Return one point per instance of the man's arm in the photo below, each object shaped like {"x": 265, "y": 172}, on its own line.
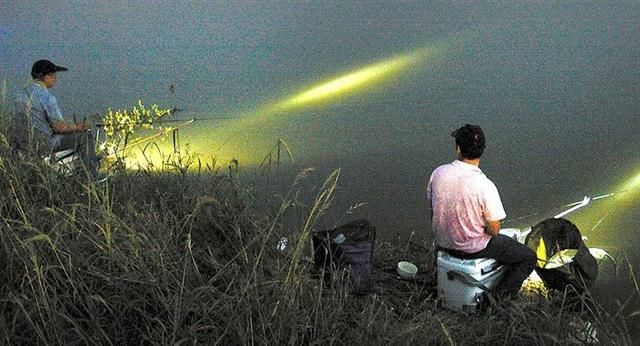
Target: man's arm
{"x": 429, "y": 196}
{"x": 492, "y": 228}
{"x": 493, "y": 210}
{"x": 56, "y": 121}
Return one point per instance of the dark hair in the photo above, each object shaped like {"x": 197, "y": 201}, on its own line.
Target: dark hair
{"x": 470, "y": 139}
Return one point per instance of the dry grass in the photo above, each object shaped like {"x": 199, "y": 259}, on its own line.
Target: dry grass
{"x": 172, "y": 258}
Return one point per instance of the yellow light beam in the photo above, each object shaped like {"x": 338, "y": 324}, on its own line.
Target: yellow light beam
{"x": 355, "y": 80}
{"x": 632, "y": 184}
{"x": 239, "y": 137}
{"x": 622, "y": 201}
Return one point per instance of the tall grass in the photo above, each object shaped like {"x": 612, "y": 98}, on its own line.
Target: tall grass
{"x": 174, "y": 258}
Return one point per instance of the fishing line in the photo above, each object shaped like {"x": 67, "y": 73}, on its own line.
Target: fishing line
{"x": 599, "y": 222}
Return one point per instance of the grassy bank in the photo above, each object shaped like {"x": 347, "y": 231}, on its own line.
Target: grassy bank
{"x": 176, "y": 258}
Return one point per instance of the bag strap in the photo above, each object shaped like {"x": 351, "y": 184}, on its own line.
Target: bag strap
{"x": 466, "y": 278}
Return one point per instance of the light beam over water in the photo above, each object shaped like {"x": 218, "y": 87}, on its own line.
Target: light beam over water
{"x": 247, "y": 137}
{"x": 356, "y": 80}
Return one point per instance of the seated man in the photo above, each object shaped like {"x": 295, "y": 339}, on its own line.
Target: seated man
{"x": 466, "y": 211}
{"x": 38, "y": 109}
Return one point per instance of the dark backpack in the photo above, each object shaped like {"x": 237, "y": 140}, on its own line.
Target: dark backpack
{"x": 558, "y": 235}
{"x": 349, "y": 248}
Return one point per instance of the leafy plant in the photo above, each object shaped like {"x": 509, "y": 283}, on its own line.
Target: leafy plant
{"x": 120, "y": 125}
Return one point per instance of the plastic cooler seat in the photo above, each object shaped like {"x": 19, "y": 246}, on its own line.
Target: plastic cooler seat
{"x": 64, "y": 161}
{"x": 461, "y": 282}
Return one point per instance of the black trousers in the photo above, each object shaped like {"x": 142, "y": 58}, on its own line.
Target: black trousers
{"x": 84, "y": 144}
{"x": 518, "y": 258}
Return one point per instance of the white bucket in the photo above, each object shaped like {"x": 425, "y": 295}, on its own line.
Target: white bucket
{"x": 461, "y": 282}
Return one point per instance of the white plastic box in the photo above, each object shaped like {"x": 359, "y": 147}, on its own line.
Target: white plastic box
{"x": 513, "y": 233}
{"x": 460, "y": 281}
{"x": 65, "y": 161}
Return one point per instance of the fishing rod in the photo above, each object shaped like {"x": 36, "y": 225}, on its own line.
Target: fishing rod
{"x": 162, "y": 121}
{"x": 575, "y": 206}
{"x": 167, "y": 121}
{"x": 160, "y": 133}
{"x": 611, "y": 194}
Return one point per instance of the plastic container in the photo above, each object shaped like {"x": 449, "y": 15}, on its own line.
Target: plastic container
{"x": 406, "y": 270}
{"x": 514, "y": 233}
{"x": 461, "y": 282}
{"x": 65, "y": 161}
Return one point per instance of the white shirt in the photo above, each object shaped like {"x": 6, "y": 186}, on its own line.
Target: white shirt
{"x": 463, "y": 201}
{"x": 39, "y": 108}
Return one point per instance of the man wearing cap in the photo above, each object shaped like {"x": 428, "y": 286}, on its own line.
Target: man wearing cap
{"x": 466, "y": 211}
{"x": 37, "y": 108}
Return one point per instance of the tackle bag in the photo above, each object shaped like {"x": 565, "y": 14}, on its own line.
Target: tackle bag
{"x": 346, "y": 249}
{"x": 563, "y": 258}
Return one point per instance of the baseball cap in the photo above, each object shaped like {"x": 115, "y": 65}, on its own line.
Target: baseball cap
{"x": 44, "y": 67}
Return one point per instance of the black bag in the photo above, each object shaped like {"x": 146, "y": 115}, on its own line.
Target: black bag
{"x": 348, "y": 247}
{"x": 558, "y": 235}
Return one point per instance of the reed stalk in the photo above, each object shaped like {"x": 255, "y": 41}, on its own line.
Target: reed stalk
{"x": 180, "y": 257}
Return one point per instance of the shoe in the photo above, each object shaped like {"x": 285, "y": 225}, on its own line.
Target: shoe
{"x": 485, "y": 302}
{"x": 99, "y": 178}
{"x": 489, "y": 304}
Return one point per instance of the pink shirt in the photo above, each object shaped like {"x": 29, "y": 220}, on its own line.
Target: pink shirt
{"x": 463, "y": 201}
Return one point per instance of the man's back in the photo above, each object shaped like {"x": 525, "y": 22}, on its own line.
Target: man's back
{"x": 36, "y": 108}
{"x": 463, "y": 200}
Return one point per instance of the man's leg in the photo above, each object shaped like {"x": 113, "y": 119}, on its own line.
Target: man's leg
{"x": 519, "y": 259}
{"x": 84, "y": 145}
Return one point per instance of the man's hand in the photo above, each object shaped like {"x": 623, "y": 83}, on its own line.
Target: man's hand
{"x": 492, "y": 228}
